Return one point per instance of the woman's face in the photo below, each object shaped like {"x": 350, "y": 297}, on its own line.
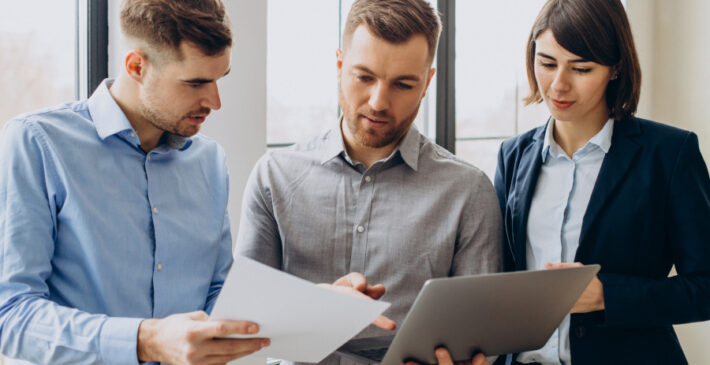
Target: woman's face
{"x": 573, "y": 88}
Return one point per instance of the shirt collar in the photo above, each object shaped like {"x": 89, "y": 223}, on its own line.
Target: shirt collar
{"x": 334, "y": 144}
{"x": 110, "y": 120}
{"x": 107, "y": 116}
{"x": 408, "y": 148}
{"x": 602, "y": 139}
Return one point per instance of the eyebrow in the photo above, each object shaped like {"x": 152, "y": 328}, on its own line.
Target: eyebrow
{"x": 576, "y": 60}
{"x": 413, "y": 78}
{"x": 204, "y": 81}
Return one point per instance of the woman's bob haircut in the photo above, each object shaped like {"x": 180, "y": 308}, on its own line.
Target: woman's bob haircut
{"x": 598, "y": 31}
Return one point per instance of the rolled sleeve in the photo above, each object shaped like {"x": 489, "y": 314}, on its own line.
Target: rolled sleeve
{"x": 118, "y": 340}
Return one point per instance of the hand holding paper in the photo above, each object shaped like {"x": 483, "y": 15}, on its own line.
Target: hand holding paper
{"x": 304, "y": 321}
{"x": 355, "y": 284}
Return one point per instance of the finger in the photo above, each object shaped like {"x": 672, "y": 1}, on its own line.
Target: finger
{"x": 354, "y": 280}
{"x": 375, "y": 291}
{"x": 443, "y": 357}
{"x": 556, "y": 265}
{"x": 480, "y": 359}
{"x": 197, "y": 316}
{"x": 212, "y": 329}
{"x": 560, "y": 265}
{"x": 223, "y": 359}
{"x": 346, "y": 290}
{"x": 233, "y": 346}
{"x": 385, "y": 323}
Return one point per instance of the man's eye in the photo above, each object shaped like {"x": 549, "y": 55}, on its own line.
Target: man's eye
{"x": 404, "y": 86}
{"x": 364, "y": 78}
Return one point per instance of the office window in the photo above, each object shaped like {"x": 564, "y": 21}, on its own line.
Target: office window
{"x": 37, "y": 55}
{"x": 301, "y": 86}
{"x": 491, "y": 78}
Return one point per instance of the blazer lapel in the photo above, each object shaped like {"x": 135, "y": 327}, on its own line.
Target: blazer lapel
{"x": 616, "y": 163}
{"x": 526, "y": 179}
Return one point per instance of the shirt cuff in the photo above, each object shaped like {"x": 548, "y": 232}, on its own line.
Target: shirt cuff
{"x": 118, "y": 340}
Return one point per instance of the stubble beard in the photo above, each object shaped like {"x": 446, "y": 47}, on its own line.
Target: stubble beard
{"x": 181, "y": 127}
{"x": 369, "y": 137}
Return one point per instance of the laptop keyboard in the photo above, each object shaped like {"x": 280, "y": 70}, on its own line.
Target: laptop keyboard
{"x": 373, "y": 354}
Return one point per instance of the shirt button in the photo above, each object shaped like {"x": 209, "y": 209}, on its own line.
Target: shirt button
{"x": 155, "y": 210}
{"x": 133, "y": 134}
{"x": 552, "y": 344}
{"x": 159, "y": 266}
{"x": 368, "y": 178}
{"x": 148, "y": 157}
{"x": 360, "y": 229}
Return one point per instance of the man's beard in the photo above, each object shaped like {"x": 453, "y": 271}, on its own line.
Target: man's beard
{"x": 369, "y": 137}
{"x": 161, "y": 122}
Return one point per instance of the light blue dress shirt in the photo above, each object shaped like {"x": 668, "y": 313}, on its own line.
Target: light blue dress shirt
{"x": 561, "y": 197}
{"x": 95, "y": 234}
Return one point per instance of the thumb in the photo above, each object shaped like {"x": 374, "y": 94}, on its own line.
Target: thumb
{"x": 354, "y": 280}
{"x": 198, "y": 316}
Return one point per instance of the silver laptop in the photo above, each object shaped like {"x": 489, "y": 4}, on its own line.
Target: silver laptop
{"x": 494, "y": 313}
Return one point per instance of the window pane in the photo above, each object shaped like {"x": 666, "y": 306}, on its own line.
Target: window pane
{"x": 37, "y": 55}
{"x": 490, "y": 65}
{"x": 301, "y": 82}
{"x": 481, "y": 153}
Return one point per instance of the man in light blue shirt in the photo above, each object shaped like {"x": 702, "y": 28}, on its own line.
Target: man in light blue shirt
{"x": 113, "y": 211}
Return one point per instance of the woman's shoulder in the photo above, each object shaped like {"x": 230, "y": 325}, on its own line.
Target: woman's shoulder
{"x": 654, "y": 129}
{"x": 523, "y": 140}
{"x": 655, "y": 133}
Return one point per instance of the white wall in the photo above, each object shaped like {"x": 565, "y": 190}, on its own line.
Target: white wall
{"x": 671, "y": 37}
{"x": 240, "y": 126}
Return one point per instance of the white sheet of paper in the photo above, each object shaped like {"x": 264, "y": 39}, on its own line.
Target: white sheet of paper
{"x": 304, "y": 321}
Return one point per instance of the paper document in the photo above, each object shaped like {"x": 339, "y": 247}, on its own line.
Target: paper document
{"x": 304, "y": 321}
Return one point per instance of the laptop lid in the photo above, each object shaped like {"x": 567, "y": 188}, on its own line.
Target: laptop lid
{"x": 495, "y": 314}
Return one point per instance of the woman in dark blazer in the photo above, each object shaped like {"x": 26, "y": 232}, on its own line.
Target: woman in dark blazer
{"x": 596, "y": 185}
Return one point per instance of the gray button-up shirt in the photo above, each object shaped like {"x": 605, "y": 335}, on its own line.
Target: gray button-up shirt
{"x": 420, "y": 213}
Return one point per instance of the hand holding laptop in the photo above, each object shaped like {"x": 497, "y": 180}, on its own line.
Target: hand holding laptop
{"x": 592, "y": 299}
{"x": 444, "y": 358}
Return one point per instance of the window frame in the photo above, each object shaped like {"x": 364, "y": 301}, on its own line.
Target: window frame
{"x": 97, "y": 43}
{"x": 445, "y": 121}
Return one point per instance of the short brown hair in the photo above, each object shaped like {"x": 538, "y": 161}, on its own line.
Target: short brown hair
{"x": 596, "y": 30}
{"x": 395, "y": 21}
{"x": 165, "y": 24}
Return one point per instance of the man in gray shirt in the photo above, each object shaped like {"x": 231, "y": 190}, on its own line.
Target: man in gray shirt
{"x": 373, "y": 195}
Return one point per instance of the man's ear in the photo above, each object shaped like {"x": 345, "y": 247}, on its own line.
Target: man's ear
{"x": 432, "y": 71}
{"x": 136, "y": 64}
{"x": 339, "y": 62}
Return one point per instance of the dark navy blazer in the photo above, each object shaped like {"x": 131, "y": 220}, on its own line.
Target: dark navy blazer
{"x": 649, "y": 210}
